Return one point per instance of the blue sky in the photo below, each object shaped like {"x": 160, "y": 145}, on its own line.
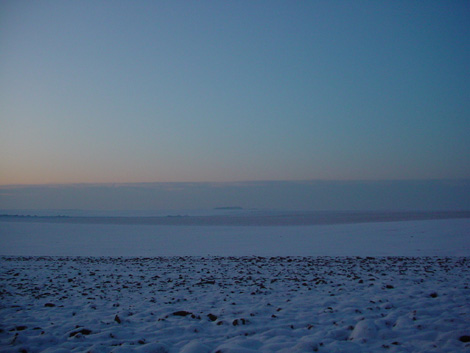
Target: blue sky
{"x": 225, "y": 91}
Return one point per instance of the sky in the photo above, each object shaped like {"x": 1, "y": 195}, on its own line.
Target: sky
{"x": 233, "y": 91}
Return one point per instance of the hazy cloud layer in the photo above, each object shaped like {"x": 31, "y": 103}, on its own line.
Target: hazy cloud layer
{"x": 305, "y": 195}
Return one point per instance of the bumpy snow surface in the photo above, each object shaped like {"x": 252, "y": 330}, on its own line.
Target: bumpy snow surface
{"x": 235, "y": 304}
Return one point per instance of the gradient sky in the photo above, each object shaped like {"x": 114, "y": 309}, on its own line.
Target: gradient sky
{"x": 173, "y": 91}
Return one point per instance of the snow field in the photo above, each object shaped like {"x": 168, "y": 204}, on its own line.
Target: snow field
{"x": 234, "y": 304}
{"x": 449, "y": 237}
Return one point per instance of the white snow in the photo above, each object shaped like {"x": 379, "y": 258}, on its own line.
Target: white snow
{"x": 238, "y": 304}
{"x": 411, "y": 238}
{"x": 369, "y": 287}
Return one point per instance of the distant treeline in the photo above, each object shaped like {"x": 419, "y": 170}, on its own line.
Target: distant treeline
{"x": 29, "y": 216}
{"x": 268, "y": 219}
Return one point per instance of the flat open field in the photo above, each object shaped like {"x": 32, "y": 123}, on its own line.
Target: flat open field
{"x": 442, "y": 237}
{"x": 374, "y": 286}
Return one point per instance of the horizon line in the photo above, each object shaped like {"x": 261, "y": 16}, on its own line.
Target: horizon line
{"x": 52, "y": 184}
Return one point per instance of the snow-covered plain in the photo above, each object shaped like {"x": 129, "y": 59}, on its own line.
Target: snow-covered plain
{"x": 368, "y": 287}
{"x": 410, "y": 238}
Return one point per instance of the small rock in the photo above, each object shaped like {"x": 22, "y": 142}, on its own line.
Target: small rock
{"x": 49, "y": 305}
{"x": 212, "y": 317}
{"x": 433, "y": 295}
{"x": 464, "y": 339}
{"x": 236, "y": 322}
{"x": 181, "y": 313}
{"x": 117, "y": 319}
{"x": 83, "y": 331}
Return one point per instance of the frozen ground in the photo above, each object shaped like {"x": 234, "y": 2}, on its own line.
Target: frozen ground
{"x": 364, "y": 287}
{"x": 410, "y": 238}
{"x": 242, "y": 304}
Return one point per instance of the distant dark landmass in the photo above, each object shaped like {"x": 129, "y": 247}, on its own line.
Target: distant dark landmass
{"x": 14, "y": 216}
{"x": 229, "y": 208}
{"x": 260, "y": 219}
